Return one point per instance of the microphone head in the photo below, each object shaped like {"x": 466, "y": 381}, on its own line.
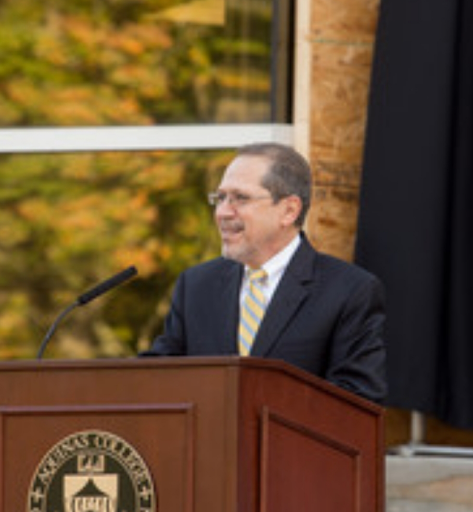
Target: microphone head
{"x": 110, "y": 283}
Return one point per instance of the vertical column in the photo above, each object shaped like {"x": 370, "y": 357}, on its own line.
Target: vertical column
{"x": 342, "y": 35}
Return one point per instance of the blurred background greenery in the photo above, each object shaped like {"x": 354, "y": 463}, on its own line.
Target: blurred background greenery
{"x": 70, "y": 221}
{"x": 121, "y": 62}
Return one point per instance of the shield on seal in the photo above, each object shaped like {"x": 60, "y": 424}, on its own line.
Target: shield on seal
{"x": 91, "y": 493}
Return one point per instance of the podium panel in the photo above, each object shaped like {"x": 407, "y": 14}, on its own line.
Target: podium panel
{"x": 185, "y": 435}
{"x": 299, "y": 463}
{"x": 164, "y": 436}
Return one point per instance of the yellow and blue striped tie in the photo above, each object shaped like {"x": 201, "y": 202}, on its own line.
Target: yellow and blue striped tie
{"x": 252, "y": 311}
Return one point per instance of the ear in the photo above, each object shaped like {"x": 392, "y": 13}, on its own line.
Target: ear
{"x": 292, "y": 206}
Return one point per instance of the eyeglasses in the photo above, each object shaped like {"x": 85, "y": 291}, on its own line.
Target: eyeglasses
{"x": 236, "y": 200}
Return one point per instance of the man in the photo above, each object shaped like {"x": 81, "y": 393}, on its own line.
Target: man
{"x": 318, "y": 313}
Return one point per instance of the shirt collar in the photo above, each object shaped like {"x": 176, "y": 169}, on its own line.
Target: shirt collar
{"x": 279, "y": 261}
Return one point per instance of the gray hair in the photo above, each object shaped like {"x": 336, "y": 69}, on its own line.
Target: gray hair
{"x": 289, "y": 173}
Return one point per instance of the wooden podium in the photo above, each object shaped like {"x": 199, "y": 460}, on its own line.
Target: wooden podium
{"x": 216, "y": 434}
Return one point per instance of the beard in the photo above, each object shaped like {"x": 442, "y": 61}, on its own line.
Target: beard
{"x": 234, "y": 246}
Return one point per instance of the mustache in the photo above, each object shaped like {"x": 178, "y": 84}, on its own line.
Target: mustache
{"x": 231, "y": 225}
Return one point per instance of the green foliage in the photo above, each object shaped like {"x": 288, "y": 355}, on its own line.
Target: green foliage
{"x": 70, "y": 221}
{"x": 111, "y": 62}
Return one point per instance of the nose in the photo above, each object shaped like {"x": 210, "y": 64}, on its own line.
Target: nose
{"x": 224, "y": 209}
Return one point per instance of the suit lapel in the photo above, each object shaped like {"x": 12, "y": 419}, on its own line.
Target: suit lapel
{"x": 289, "y": 295}
{"x": 228, "y": 304}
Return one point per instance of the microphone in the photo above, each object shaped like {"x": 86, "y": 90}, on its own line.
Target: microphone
{"x": 85, "y": 298}
{"x": 103, "y": 287}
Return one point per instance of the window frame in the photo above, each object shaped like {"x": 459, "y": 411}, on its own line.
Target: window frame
{"x": 141, "y": 138}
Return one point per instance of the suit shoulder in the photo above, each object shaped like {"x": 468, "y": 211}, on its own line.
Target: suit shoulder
{"x": 215, "y": 266}
{"x": 345, "y": 270}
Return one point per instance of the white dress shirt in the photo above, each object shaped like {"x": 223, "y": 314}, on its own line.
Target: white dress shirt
{"x": 274, "y": 269}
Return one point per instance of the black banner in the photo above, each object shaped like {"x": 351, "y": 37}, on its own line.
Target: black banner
{"x": 416, "y": 206}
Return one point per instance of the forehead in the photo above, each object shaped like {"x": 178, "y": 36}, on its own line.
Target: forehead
{"x": 245, "y": 171}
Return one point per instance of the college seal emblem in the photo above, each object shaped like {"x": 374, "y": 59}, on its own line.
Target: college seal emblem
{"x": 92, "y": 471}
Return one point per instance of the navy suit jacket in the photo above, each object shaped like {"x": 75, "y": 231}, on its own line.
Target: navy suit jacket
{"x": 326, "y": 317}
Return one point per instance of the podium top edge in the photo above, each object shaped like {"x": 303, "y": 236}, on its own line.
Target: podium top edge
{"x": 176, "y": 362}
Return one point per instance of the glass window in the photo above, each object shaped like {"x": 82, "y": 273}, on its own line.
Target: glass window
{"x": 69, "y": 221}
{"x": 144, "y": 62}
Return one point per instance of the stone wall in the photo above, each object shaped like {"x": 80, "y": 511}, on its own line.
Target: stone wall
{"x": 342, "y": 39}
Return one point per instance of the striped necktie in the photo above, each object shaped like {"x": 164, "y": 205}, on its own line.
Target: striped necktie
{"x": 252, "y": 311}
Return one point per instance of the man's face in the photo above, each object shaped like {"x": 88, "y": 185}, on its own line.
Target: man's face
{"x": 253, "y": 228}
